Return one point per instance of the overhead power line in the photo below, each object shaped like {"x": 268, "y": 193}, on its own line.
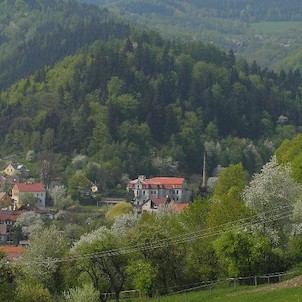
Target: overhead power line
{"x": 240, "y": 224}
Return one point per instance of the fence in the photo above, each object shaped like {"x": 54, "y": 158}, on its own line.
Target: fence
{"x": 209, "y": 285}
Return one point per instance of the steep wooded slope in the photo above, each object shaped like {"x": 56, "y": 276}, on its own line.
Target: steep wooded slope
{"x": 143, "y": 104}
{"x": 35, "y": 33}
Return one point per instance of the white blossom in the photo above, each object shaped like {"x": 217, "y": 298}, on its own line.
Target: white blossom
{"x": 271, "y": 195}
{"x": 29, "y": 222}
{"x": 124, "y": 223}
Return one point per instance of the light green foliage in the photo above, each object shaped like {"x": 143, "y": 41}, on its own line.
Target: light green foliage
{"x": 30, "y": 291}
{"x": 167, "y": 260}
{"x": 244, "y": 254}
{"x": 77, "y": 184}
{"x": 290, "y": 152}
{"x": 227, "y": 204}
{"x": 30, "y": 155}
{"x": 143, "y": 275}
{"x": 106, "y": 272}
{"x": 28, "y": 199}
{"x": 118, "y": 210}
{"x": 85, "y": 293}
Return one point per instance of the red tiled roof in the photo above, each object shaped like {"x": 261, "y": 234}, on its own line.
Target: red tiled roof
{"x": 161, "y": 201}
{"x": 177, "y": 181}
{"x": 30, "y": 187}
{"x": 179, "y": 207}
{"x": 12, "y": 251}
{"x": 155, "y": 182}
{"x": 9, "y": 215}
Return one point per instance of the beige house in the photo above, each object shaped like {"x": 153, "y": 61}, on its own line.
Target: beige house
{"x": 16, "y": 169}
{"x": 5, "y": 201}
{"x": 36, "y": 189}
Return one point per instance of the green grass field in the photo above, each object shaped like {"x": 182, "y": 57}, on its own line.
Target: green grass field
{"x": 274, "y": 27}
{"x": 237, "y": 294}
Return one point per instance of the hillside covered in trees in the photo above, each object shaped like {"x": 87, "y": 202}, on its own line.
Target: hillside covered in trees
{"x": 99, "y": 103}
{"x": 36, "y": 33}
{"x": 268, "y": 30}
{"x": 145, "y": 105}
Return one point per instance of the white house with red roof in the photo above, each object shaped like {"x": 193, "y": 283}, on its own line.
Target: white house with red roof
{"x": 36, "y": 189}
{"x": 175, "y": 188}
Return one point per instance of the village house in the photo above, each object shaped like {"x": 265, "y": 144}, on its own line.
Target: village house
{"x": 6, "y": 201}
{"x": 16, "y": 170}
{"x": 8, "y": 181}
{"x": 7, "y": 221}
{"x": 175, "y": 188}
{"x": 152, "y": 205}
{"x": 36, "y": 189}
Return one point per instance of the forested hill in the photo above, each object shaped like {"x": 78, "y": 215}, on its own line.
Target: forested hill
{"x": 264, "y": 30}
{"x": 144, "y": 105}
{"x": 271, "y": 10}
{"x": 34, "y": 33}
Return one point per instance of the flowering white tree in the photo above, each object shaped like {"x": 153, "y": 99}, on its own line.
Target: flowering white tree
{"x": 124, "y": 224}
{"x": 57, "y": 193}
{"x": 29, "y": 222}
{"x": 271, "y": 195}
{"x": 37, "y": 261}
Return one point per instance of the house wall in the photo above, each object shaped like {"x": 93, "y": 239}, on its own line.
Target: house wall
{"x": 16, "y": 196}
{"x": 40, "y": 195}
{"x": 10, "y": 170}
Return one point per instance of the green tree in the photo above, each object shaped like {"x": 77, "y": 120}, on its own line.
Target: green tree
{"x": 244, "y": 254}
{"x": 107, "y": 271}
{"x": 143, "y": 276}
{"x": 290, "y": 153}
{"x": 228, "y": 205}
{"x": 32, "y": 291}
{"x": 77, "y": 184}
{"x": 28, "y": 199}
{"x": 118, "y": 210}
{"x": 84, "y": 293}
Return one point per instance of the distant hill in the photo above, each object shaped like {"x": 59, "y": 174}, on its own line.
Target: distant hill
{"x": 264, "y": 30}
{"x": 36, "y": 33}
{"x": 146, "y": 104}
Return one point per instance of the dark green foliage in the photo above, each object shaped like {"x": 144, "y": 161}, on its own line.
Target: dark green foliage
{"x": 38, "y": 33}
{"x": 124, "y": 102}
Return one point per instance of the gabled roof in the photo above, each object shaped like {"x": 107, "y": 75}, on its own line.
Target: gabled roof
{"x": 160, "y": 182}
{"x": 177, "y": 181}
{"x": 30, "y": 187}
{"x": 7, "y": 179}
{"x": 9, "y": 215}
{"x": 179, "y": 207}
{"x": 161, "y": 201}
{"x": 17, "y": 166}
{"x": 12, "y": 252}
